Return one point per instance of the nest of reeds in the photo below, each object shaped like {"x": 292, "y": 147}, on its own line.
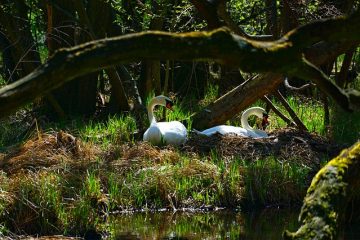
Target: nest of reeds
{"x": 284, "y": 144}
{"x": 52, "y": 150}
{"x": 47, "y": 150}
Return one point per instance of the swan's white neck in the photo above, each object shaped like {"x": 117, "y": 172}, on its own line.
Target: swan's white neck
{"x": 258, "y": 111}
{"x": 150, "y": 109}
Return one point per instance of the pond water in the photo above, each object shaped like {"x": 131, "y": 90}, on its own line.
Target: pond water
{"x": 266, "y": 224}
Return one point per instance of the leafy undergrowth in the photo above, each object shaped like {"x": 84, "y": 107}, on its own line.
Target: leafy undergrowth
{"x": 57, "y": 184}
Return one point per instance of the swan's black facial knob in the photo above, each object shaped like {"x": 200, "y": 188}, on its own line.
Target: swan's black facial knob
{"x": 265, "y": 121}
{"x": 169, "y": 104}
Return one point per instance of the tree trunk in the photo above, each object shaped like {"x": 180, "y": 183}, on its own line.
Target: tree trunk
{"x": 235, "y": 100}
{"x": 341, "y": 78}
{"x": 16, "y": 26}
{"x": 151, "y": 69}
{"x": 100, "y": 28}
{"x": 291, "y": 112}
{"x": 322, "y": 213}
{"x": 8, "y": 68}
{"x": 272, "y": 18}
{"x": 290, "y": 14}
{"x": 77, "y": 97}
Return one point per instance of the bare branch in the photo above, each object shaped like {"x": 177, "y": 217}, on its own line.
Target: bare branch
{"x": 277, "y": 111}
{"x": 303, "y": 87}
{"x": 293, "y": 115}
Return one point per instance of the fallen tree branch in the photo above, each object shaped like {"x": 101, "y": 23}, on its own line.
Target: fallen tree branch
{"x": 292, "y": 88}
{"x": 329, "y": 193}
{"x": 277, "y": 111}
{"x": 291, "y": 112}
{"x": 282, "y": 57}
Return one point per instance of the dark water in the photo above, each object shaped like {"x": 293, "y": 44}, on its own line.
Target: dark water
{"x": 266, "y": 224}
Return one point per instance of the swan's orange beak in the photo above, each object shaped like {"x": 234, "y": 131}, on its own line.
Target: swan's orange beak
{"x": 265, "y": 121}
{"x": 169, "y": 105}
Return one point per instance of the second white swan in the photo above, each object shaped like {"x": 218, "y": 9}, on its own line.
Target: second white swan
{"x": 172, "y": 133}
{"x": 246, "y": 130}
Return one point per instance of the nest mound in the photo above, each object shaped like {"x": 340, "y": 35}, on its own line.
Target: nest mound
{"x": 47, "y": 150}
{"x": 53, "y": 150}
{"x": 285, "y": 144}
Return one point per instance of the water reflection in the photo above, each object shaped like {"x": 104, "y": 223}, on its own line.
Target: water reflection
{"x": 265, "y": 224}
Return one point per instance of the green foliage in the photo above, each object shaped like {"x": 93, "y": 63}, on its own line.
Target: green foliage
{"x": 250, "y": 14}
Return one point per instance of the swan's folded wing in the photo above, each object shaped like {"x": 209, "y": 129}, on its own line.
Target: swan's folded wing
{"x": 225, "y": 129}
{"x": 153, "y": 135}
{"x": 173, "y": 133}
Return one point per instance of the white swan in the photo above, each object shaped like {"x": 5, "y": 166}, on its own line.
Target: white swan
{"x": 173, "y": 133}
{"x": 246, "y": 130}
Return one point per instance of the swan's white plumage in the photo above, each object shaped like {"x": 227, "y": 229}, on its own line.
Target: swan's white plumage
{"x": 226, "y": 129}
{"x": 246, "y": 130}
{"x": 172, "y": 133}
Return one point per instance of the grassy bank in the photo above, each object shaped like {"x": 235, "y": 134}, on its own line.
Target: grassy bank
{"x": 54, "y": 184}
{"x": 58, "y": 182}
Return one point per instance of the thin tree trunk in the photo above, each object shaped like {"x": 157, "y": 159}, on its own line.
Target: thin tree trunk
{"x": 272, "y": 18}
{"x": 342, "y": 77}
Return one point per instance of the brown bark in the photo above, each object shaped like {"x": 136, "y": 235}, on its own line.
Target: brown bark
{"x": 8, "y": 69}
{"x": 208, "y": 11}
{"x": 77, "y": 97}
{"x": 290, "y": 14}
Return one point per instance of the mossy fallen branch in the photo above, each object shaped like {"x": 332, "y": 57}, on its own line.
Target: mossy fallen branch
{"x": 284, "y": 56}
{"x": 327, "y": 197}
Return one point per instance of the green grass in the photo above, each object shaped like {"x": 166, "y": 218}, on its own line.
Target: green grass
{"x": 273, "y": 181}
{"x": 116, "y": 130}
{"x": 310, "y": 112}
{"x": 345, "y": 126}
